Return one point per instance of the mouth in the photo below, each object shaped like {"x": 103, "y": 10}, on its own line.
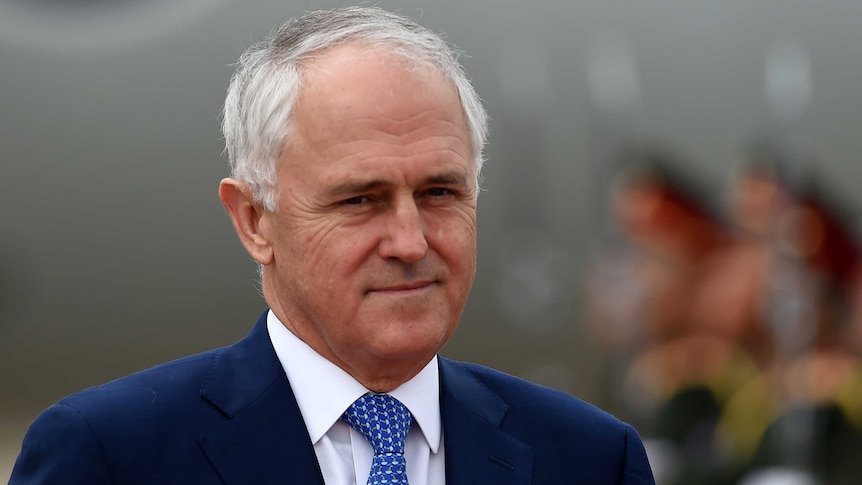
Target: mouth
{"x": 404, "y": 288}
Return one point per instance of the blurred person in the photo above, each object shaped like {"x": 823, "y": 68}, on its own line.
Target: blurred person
{"x": 663, "y": 233}
{"x": 728, "y": 343}
{"x": 761, "y": 311}
{"x": 733, "y": 294}
{"x": 780, "y": 227}
{"x": 756, "y": 294}
{"x": 805, "y": 409}
{"x": 678, "y": 373}
{"x": 731, "y": 303}
{"x": 355, "y": 141}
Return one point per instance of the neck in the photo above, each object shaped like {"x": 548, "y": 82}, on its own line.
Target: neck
{"x": 375, "y": 374}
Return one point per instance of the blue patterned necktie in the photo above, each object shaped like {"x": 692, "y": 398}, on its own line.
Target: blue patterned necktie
{"x": 384, "y": 422}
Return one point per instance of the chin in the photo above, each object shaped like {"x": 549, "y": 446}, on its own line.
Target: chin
{"x": 411, "y": 346}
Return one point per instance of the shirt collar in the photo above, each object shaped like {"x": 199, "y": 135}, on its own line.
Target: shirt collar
{"x": 324, "y": 391}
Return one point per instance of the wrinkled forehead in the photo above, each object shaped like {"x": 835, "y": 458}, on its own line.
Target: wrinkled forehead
{"x": 355, "y": 83}
{"x": 334, "y": 77}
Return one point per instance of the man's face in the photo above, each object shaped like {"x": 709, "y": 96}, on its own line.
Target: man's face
{"x": 374, "y": 239}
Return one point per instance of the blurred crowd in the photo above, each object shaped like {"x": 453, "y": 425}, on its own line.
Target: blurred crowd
{"x": 734, "y": 318}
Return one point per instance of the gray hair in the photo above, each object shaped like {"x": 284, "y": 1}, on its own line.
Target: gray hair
{"x": 268, "y": 78}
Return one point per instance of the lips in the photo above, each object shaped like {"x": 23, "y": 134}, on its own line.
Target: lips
{"x": 403, "y": 287}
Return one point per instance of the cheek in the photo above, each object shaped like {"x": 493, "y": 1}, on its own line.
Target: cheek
{"x": 334, "y": 246}
{"x": 343, "y": 264}
{"x": 455, "y": 242}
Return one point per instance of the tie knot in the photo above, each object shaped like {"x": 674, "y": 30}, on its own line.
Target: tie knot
{"x": 383, "y": 420}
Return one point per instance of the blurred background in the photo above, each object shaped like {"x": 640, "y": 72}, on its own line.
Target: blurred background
{"x": 669, "y": 226}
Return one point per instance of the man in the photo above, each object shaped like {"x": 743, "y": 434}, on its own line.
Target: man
{"x": 355, "y": 142}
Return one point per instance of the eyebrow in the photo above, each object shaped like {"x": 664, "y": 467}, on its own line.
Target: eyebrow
{"x": 359, "y": 186}
{"x": 447, "y": 178}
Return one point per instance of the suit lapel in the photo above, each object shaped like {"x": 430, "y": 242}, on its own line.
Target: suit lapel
{"x": 264, "y": 439}
{"x": 477, "y": 450}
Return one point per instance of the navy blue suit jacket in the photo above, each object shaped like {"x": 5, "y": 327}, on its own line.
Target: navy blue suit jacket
{"x": 229, "y": 416}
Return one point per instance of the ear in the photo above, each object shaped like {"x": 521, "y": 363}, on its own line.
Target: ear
{"x": 246, "y": 216}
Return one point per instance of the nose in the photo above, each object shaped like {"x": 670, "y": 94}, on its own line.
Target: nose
{"x": 405, "y": 234}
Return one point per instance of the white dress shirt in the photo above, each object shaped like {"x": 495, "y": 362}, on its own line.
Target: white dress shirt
{"x": 324, "y": 391}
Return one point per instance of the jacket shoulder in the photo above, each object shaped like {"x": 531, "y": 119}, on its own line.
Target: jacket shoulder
{"x": 523, "y": 396}
{"x": 177, "y": 379}
{"x": 572, "y": 441}
{"x": 122, "y": 425}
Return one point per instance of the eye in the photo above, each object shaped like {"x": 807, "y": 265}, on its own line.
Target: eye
{"x": 359, "y": 199}
{"x": 438, "y": 192}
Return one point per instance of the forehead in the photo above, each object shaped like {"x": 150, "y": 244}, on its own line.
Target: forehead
{"x": 358, "y": 83}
